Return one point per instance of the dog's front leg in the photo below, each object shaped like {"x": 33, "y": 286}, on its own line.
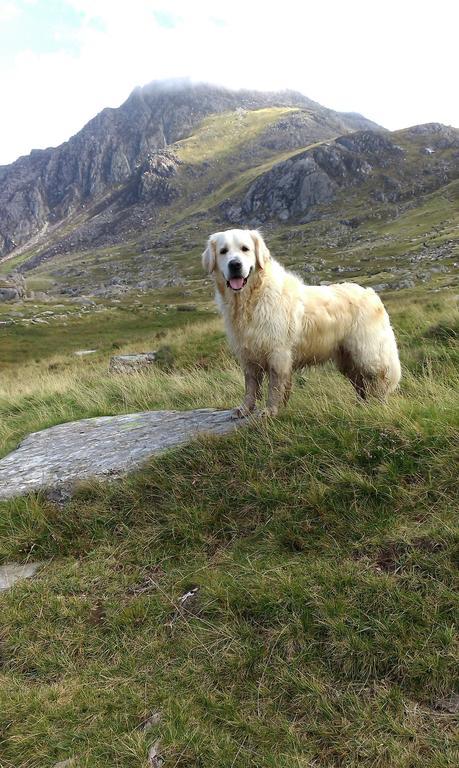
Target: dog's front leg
{"x": 253, "y": 375}
{"x": 280, "y": 375}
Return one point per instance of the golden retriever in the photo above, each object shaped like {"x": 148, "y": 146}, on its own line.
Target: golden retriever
{"x": 276, "y": 324}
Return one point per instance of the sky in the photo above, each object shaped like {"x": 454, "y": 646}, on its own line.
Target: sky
{"x": 62, "y": 61}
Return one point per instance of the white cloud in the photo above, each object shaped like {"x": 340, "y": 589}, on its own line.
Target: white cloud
{"x": 395, "y": 62}
{"x": 8, "y": 11}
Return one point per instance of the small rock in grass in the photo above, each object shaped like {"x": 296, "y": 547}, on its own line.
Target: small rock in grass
{"x": 154, "y": 758}
{"x": 186, "y": 604}
{"x": 448, "y": 704}
{"x": 10, "y": 573}
{"x": 150, "y": 722}
{"x": 188, "y": 595}
{"x": 131, "y": 363}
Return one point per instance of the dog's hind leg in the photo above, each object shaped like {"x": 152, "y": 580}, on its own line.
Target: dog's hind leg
{"x": 370, "y": 375}
{"x": 360, "y": 383}
{"x": 345, "y": 364}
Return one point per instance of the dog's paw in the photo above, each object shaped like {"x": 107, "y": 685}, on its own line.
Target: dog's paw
{"x": 241, "y": 412}
{"x": 267, "y": 413}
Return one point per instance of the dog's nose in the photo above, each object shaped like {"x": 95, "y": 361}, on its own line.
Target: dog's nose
{"x": 235, "y": 266}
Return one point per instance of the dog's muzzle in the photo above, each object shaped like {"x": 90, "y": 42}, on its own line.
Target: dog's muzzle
{"x": 236, "y": 280}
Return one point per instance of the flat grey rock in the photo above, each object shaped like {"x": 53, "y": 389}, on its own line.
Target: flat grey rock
{"x": 107, "y": 446}
{"x": 131, "y": 363}
{"x": 449, "y": 704}
{"x": 10, "y": 573}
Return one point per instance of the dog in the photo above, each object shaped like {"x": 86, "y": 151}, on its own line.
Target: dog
{"x": 277, "y": 324}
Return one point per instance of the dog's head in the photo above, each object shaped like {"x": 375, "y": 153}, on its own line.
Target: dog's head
{"x": 236, "y": 255}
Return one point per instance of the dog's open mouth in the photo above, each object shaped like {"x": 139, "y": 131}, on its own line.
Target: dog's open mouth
{"x": 237, "y": 283}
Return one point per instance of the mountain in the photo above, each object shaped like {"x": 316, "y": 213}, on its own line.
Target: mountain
{"x": 115, "y": 147}
{"x": 128, "y": 200}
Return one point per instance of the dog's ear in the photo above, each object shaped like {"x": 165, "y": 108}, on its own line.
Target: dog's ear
{"x": 261, "y": 251}
{"x": 209, "y": 256}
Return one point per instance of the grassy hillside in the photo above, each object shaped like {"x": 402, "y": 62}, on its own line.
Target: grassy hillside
{"x": 319, "y": 550}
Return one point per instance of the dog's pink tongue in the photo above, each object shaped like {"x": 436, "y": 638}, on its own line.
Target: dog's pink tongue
{"x": 236, "y": 283}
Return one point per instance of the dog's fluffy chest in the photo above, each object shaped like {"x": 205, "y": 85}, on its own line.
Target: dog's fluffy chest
{"x": 256, "y": 324}
{"x": 282, "y": 314}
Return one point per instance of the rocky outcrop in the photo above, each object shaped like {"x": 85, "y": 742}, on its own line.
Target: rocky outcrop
{"x": 436, "y": 135}
{"x": 290, "y": 189}
{"x": 399, "y": 166}
{"x": 153, "y": 181}
{"x": 303, "y": 127}
{"x": 12, "y": 287}
{"x": 57, "y": 458}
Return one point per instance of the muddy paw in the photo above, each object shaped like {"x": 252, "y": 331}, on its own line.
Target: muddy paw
{"x": 241, "y": 412}
{"x": 267, "y": 413}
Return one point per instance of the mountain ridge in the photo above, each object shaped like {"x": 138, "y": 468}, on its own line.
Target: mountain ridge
{"x": 50, "y": 184}
{"x": 138, "y": 210}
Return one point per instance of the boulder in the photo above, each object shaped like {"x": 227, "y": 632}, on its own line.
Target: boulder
{"x": 131, "y": 363}
{"x": 12, "y": 287}
{"x": 55, "y": 459}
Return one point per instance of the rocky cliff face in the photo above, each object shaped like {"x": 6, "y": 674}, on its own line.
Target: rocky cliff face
{"x": 291, "y": 189}
{"x": 120, "y": 147}
{"x": 312, "y": 177}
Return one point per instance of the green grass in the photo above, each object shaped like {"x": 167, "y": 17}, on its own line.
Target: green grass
{"x": 322, "y": 544}
{"x": 220, "y": 136}
{"x": 105, "y": 331}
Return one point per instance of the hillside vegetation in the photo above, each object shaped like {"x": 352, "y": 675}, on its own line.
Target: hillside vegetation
{"x": 318, "y": 552}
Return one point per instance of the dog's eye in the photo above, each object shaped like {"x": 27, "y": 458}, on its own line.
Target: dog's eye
{"x": 244, "y": 248}
{"x": 223, "y": 251}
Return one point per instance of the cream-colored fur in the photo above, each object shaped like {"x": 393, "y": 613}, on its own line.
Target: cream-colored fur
{"x": 276, "y": 324}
